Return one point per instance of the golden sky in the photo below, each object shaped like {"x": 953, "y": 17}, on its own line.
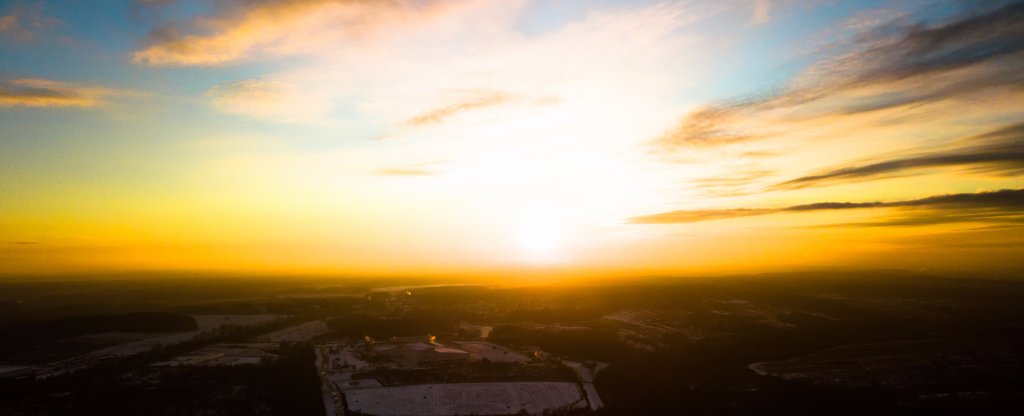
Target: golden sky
{"x": 510, "y": 138}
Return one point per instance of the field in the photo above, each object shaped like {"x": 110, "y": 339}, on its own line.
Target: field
{"x": 878, "y": 343}
{"x": 492, "y": 352}
{"x": 225, "y": 355}
{"x": 900, "y": 365}
{"x": 298, "y": 333}
{"x": 465, "y": 398}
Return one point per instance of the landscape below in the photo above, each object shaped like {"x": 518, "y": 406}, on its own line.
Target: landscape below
{"x": 800, "y": 343}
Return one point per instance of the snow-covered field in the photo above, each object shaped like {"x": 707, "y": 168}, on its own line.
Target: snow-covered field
{"x": 223, "y": 355}
{"x": 491, "y": 352}
{"x": 587, "y": 375}
{"x": 298, "y": 333}
{"x": 207, "y": 324}
{"x": 465, "y": 398}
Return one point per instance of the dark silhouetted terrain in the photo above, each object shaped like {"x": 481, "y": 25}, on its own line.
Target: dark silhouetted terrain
{"x": 810, "y": 343}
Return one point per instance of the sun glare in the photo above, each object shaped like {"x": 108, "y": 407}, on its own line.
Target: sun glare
{"x": 540, "y": 234}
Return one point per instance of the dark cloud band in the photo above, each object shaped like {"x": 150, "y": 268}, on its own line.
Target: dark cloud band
{"x": 1008, "y": 202}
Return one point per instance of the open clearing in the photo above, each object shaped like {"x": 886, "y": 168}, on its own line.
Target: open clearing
{"x": 492, "y": 352}
{"x": 465, "y": 398}
{"x": 297, "y": 333}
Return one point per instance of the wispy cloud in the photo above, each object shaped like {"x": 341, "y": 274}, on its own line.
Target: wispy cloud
{"x": 472, "y": 100}
{"x": 405, "y": 172}
{"x": 371, "y": 55}
{"x": 741, "y": 181}
{"x": 762, "y": 12}
{"x": 24, "y": 22}
{"x": 1007, "y": 203}
{"x": 10, "y": 27}
{"x": 36, "y": 92}
{"x": 270, "y": 98}
{"x": 154, "y": 2}
{"x": 899, "y": 50}
{"x": 999, "y": 151}
{"x": 415, "y": 169}
{"x": 245, "y": 30}
{"x": 707, "y": 126}
{"x": 893, "y": 65}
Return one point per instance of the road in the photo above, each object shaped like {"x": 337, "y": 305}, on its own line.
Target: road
{"x": 332, "y": 396}
{"x": 586, "y": 376}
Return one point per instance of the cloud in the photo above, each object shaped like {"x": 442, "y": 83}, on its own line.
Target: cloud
{"x": 415, "y": 169}
{"x": 473, "y": 100}
{"x": 888, "y": 66}
{"x": 1010, "y": 133}
{"x": 245, "y": 30}
{"x": 707, "y": 126}
{"x": 920, "y": 49}
{"x": 1001, "y": 151}
{"x": 762, "y": 12}
{"x": 10, "y": 27}
{"x": 24, "y": 21}
{"x": 270, "y": 98}
{"x": 36, "y": 92}
{"x": 1002, "y": 204}
{"x": 684, "y": 216}
{"x": 405, "y": 172}
{"x": 739, "y": 181}
{"x": 436, "y": 64}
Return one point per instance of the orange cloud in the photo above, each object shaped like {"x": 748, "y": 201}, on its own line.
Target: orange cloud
{"x": 476, "y": 100}
{"x": 269, "y": 98}
{"x": 36, "y": 92}
{"x": 22, "y": 23}
{"x": 405, "y": 172}
{"x": 381, "y": 72}
{"x": 271, "y": 28}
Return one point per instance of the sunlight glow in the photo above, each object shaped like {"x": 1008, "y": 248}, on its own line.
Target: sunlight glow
{"x": 482, "y": 137}
{"x": 540, "y": 235}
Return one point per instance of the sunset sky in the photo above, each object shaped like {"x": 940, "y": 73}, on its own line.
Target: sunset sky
{"x": 510, "y": 137}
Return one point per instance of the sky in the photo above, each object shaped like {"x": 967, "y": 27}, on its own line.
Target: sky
{"x": 510, "y": 138}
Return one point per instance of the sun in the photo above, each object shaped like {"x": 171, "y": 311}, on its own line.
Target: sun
{"x": 540, "y": 234}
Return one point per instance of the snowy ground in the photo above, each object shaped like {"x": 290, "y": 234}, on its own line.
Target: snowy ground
{"x": 587, "y": 375}
{"x": 327, "y": 389}
{"x": 207, "y": 324}
{"x": 492, "y": 352}
{"x": 224, "y": 355}
{"x": 465, "y": 398}
{"x": 298, "y": 333}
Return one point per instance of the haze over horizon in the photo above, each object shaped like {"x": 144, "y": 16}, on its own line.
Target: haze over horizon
{"x": 505, "y": 138}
